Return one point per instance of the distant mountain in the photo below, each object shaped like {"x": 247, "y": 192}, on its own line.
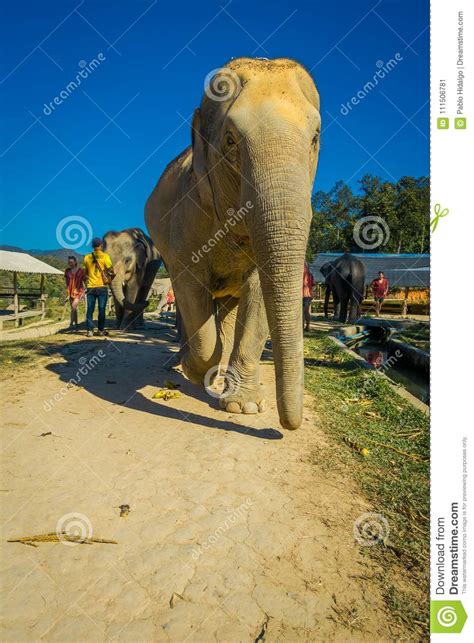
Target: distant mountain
{"x": 60, "y": 253}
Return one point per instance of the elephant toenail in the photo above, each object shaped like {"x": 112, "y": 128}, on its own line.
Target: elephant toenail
{"x": 262, "y": 406}
{"x": 250, "y": 407}
{"x": 233, "y": 407}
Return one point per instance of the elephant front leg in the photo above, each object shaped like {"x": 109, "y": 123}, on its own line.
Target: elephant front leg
{"x": 243, "y": 392}
{"x": 353, "y": 310}
{"x": 119, "y": 311}
{"x": 337, "y": 307}
{"x": 200, "y": 349}
{"x": 327, "y": 295}
{"x": 344, "y": 305}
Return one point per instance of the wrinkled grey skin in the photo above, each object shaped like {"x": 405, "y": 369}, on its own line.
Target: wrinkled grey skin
{"x": 135, "y": 261}
{"x": 255, "y": 148}
{"x": 345, "y": 280}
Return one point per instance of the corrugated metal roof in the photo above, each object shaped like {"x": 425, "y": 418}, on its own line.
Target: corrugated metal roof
{"x": 22, "y": 262}
{"x": 401, "y": 270}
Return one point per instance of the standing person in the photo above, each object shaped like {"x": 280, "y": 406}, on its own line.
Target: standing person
{"x": 308, "y": 282}
{"x": 170, "y": 299}
{"x": 379, "y": 289}
{"x": 99, "y": 273}
{"x": 75, "y": 288}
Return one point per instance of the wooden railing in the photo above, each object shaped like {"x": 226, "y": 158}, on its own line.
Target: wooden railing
{"x": 16, "y": 315}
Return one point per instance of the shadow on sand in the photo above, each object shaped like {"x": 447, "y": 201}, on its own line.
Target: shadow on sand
{"x": 117, "y": 371}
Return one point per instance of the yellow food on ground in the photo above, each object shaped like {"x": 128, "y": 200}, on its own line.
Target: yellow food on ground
{"x": 166, "y": 394}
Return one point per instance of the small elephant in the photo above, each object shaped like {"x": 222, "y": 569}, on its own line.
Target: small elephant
{"x": 136, "y": 261}
{"x": 345, "y": 280}
{"x": 230, "y": 216}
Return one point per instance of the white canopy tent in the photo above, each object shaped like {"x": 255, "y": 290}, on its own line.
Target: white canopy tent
{"x": 22, "y": 262}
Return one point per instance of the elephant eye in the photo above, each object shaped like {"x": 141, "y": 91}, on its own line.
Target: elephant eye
{"x": 229, "y": 140}
{"x": 315, "y": 140}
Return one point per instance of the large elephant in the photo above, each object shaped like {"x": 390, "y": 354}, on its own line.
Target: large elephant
{"x": 230, "y": 216}
{"x": 136, "y": 261}
{"x": 345, "y": 280}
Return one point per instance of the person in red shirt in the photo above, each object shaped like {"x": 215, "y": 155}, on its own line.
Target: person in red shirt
{"x": 75, "y": 288}
{"x": 170, "y": 298}
{"x": 308, "y": 282}
{"x": 379, "y": 289}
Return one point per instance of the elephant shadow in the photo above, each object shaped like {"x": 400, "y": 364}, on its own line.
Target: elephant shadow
{"x": 116, "y": 372}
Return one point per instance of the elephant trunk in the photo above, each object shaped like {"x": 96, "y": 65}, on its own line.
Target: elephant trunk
{"x": 279, "y": 227}
{"x": 119, "y": 295}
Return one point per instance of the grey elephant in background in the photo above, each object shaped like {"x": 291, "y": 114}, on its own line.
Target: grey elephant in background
{"x": 345, "y": 280}
{"x": 231, "y": 217}
{"x": 135, "y": 261}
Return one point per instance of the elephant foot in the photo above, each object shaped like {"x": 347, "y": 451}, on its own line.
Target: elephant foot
{"x": 193, "y": 374}
{"x": 196, "y": 370}
{"x": 248, "y": 402}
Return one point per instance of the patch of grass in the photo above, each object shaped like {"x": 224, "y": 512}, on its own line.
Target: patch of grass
{"x": 347, "y": 616}
{"x": 359, "y": 410}
{"x": 21, "y": 353}
{"x": 401, "y": 604}
{"x": 417, "y": 335}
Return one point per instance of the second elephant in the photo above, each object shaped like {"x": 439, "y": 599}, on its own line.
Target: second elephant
{"x": 345, "y": 279}
{"x": 136, "y": 261}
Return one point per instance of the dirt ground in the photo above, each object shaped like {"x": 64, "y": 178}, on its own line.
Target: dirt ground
{"x": 232, "y": 533}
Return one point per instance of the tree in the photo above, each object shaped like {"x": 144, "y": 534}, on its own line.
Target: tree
{"x": 402, "y": 207}
{"x": 331, "y": 225}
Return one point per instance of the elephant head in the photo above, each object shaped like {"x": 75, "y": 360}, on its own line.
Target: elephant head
{"x": 128, "y": 252}
{"x": 255, "y": 149}
{"x": 326, "y": 269}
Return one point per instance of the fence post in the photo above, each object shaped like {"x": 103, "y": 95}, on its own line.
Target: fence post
{"x": 16, "y": 303}
{"x": 43, "y": 306}
{"x": 405, "y": 303}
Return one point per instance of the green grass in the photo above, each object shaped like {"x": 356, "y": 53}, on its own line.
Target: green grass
{"x": 359, "y": 409}
{"x": 23, "y": 353}
{"x": 417, "y": 335}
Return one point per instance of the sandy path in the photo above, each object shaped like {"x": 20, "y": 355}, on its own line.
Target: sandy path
{"x": 231, "y": 532}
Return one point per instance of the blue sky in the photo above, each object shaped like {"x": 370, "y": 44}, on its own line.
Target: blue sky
{"x": 99, "y": 153}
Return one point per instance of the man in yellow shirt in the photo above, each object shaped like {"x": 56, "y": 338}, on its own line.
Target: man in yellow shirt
{"x": 96, "y": 264}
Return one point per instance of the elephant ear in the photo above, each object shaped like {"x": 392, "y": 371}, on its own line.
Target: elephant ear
{"x": 141, "y": 253}
{"x": 200, "y": 159}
